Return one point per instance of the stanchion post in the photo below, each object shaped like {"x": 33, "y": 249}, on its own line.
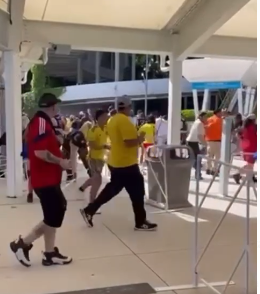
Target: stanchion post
{"x": 225, "y": 155}
{"x": 196, "y": 225}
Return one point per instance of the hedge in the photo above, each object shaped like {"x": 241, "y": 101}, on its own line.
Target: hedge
{"x": 189, "y": 114}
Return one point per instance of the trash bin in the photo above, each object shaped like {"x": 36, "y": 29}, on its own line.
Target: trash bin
{"x": 169, "y": 176}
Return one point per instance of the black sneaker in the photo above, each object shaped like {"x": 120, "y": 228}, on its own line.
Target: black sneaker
{"x": 21, "y": 251}
{"x": 87, "y": 218}
{"x": 81, "y": 189}
{"x": 237, "y": 178}
{"x": 55, "y": 258}
{"x": 146, "y": 226}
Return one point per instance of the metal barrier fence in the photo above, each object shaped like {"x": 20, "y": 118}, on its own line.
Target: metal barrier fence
{"x": 245, "y": 254}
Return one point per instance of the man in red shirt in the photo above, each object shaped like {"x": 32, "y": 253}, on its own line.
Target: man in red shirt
{"x": 46, "y": 165}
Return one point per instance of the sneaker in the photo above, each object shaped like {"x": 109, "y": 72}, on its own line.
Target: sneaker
{"x": 87, "y": 218}
{"x": 237, "y": 178}
{"x": 30, "y": 198}
{"x": 146, "y": 226}
{"x": 55, "y": 258}
{"x": 21, "y": 251}
{"x": 81, "y": 189}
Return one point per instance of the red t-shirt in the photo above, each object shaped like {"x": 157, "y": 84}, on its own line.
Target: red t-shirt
{"x": 41, "y": 136}
{"x": 249, "y": 139}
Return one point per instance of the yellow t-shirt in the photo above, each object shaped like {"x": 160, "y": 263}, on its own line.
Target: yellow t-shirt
{"x": 120, "y": 128}
{"x": 149, "y": 130}
{"x": 99, "y": 136}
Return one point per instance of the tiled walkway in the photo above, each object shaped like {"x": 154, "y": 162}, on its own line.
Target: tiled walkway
{"x": 112, "y": 253}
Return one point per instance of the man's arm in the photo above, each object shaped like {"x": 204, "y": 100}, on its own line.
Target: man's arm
{"x": 130, "y": 135}
{"x": 47, "y": 156}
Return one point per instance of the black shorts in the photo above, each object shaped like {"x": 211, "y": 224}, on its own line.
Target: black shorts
{"x": 54, "y": 205}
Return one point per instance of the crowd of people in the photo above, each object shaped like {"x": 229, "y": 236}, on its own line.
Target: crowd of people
{"x": 53, "y": 143}
{"x": 206, "y": 134}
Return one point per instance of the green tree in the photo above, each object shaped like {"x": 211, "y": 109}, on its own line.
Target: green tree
{"x": 40, "y": 84}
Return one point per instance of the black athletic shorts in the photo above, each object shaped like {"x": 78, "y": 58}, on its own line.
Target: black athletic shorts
{"x": 54, "y": 205}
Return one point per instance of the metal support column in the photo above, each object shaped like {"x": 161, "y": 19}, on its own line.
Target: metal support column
{"x": 252, "y": 101}
{"x": 97, "y": 67}
{"x": 225, "y": 155}
{"x": 240, "y": 101}
{"x": 195, "y": 102}
{"x": 79, "y": 71}
{"x": 13, "y": 109}
{"x": 146, "y": 85}
{"x": 117, "y": 66}
{"x": 174, "y": 101}
{"x": 206, "y": 100}
{"x": 247, "y": 100}
{"x": 133, "y": 67}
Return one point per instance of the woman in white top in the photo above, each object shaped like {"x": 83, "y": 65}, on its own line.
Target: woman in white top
{"x": 197, "y": 137}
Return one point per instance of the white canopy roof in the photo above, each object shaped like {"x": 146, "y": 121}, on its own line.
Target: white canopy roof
{"x": 219, "y": 70}
{"x": 187, "y": 27}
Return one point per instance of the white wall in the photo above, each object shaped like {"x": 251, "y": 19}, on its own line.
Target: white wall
{"x": 111, "y": 90}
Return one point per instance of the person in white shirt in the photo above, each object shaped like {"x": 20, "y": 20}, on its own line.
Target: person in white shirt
{"x": 196, "y": 138}
{"x": 161, "y": 130}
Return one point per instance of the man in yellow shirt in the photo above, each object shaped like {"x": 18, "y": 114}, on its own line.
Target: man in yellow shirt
{"x": 123, "y": 165}
{"x": 97, "y": 140}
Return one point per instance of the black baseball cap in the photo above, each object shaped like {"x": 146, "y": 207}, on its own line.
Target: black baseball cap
{"x": 48, "y": 100}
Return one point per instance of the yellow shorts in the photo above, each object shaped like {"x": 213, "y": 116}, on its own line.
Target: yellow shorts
{"x": 96, "y": 165}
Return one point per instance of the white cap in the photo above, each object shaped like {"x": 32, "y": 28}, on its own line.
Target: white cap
{"x": 123, "y": 101}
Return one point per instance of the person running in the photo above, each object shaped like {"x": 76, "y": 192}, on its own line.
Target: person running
{"x": 46, "y": 165}
{"x": 149, "y": 130}
{"x": 123, "y": 166}
{"x": 97, "y": 140}
{"x": 248, "y": 145}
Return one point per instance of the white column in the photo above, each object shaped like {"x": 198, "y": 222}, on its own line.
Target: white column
{"x": 79, "y": 71}
{"x": 206, "y": 100}
{"x": 133, "y": 67}
{"x": 195, "y": 102}
{"x": 13, "y": 109}
{"x": 240, "y": 101}
{"x": 252, "y": 101}
{"x": 97, "y": 66}
{"x": 117, "y": 65}
{"x": 174, "y": 101}
{"x": 247, "y": 100}
{"x": 225, "y": 155}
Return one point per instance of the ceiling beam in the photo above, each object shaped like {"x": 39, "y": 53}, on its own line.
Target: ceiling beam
{"x": 204, "y": 22}
{"x": 228, "y": 47}
{"x": 98, "y": 38}
{"x": 4, "y": 23}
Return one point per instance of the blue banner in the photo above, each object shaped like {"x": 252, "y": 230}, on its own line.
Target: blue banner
{"x": 216, "y": 85}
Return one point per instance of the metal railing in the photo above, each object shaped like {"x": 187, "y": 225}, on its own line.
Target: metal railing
{"x": 197, "y": 258}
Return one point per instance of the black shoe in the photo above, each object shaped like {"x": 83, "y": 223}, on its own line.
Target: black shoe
{"x": 146, "y": 226}
{"x": 237, "y": 178}
{"x": 208, "y": 172}
{"x": 21, "y": 251}
{"x": 55, "y": 258}
{"x": 214, "y": 173}
{"x": 87, "y": 218}
{"x": 30, "y": 198}
{"x": 81, "y": 189}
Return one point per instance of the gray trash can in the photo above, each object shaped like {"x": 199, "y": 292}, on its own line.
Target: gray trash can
{"x": 171, "y": 170}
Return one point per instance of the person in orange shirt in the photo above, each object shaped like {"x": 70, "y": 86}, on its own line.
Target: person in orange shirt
{"x": 213, "y": 133}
